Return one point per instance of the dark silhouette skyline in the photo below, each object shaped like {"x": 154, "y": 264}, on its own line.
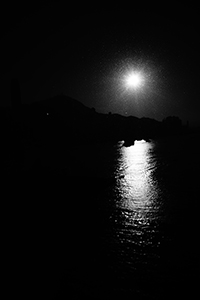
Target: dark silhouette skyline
{"x": 61, "y": 123}
{"x": 62, "y": 119}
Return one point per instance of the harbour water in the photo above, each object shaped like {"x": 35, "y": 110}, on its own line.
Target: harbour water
{"x": 115, "y": 222}
{"x": 143, "y": 230}
{"x": 155, "y": 224}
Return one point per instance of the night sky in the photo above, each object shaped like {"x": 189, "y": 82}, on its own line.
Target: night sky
{"x": 84, "y": 52}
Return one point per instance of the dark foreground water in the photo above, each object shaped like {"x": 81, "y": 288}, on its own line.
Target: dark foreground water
{"x": 115, "y": 222}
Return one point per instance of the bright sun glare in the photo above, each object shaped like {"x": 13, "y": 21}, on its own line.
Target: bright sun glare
{"x": 133, "y": 80}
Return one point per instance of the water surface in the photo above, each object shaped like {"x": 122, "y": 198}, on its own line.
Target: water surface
{"x": 119, "y": 221}
{"x": 150, "y": 241}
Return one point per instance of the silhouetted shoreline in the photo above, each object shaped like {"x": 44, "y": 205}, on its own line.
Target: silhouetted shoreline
{"x": 67, "y": 118}
{"x": 61, "y": 123}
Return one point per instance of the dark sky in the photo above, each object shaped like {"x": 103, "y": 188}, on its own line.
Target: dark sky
{"x": 84, "y": 52}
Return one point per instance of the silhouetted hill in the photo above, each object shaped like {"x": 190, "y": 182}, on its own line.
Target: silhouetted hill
{"x": 61, "y": 104}
{"x": 64, "y": 120}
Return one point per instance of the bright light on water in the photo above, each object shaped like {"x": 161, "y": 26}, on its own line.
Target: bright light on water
{"x": 137, "y": 189}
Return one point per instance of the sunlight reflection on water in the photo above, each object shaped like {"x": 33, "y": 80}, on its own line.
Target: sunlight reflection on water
{"x": 137, "y": 189}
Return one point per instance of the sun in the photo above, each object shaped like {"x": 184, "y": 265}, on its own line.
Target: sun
{"x": 136, "y": 80}
{"x": 133, "y": 80}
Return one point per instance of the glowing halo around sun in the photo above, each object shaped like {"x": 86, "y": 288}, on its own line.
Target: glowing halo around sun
{"x": 135, "y": 79}
{"x": 135, "y": 84}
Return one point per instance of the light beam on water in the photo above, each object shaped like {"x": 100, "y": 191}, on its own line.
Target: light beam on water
{"x": 137, "y": 190}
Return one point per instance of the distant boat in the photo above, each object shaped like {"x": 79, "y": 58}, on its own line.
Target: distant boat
{"x": 147, "y": 140}
{"x": 128, "y": 143}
